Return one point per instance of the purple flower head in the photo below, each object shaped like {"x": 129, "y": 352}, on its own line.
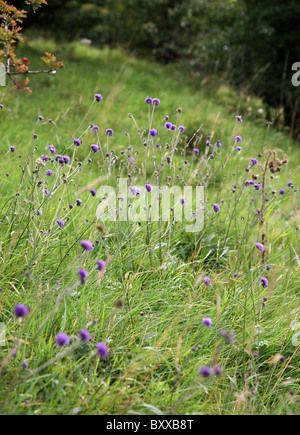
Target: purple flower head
{"x": 77, "y": 142}
{"x": 238, "y": 139}
{"x": 98, "y": 97}
{"x": 207, "y": 281}
{"x": 196, "y": 151}
{"x": 217, "y": 371}
{"x": 168, "y": 125}
{"x": 93, "y": 192}
{"x": 84, "y": 335}
{"x": 239, "y": 148}
{"x": 206, "y": 372}
{"x": 71, "y": 206}
{"x": 87, "y": 245}
{"x": 109, "y": 132}
{"x": 95, "y": 148}
{"x": 1, "y": 106}
{"x": 40, "y": 118}
{"x": 218, "y": 144}
{"x": 44, "y": 157}
{"x": 264, "y": 282}
{"x": 239, "y": 118}
{"x": 268, "y": 267}
{"x": 156, "y": 101}
{"x": 173, "y": 127}
{"x": 260, "y": 246}
{"x": 102, "y": 350}
{"x": 66, "y": 159}
{"x": 78, "y": 202}
{"x": 181, "y": 129}
{"x": 95, "y": 129}
{"x": 207, "y": 322}
{"x": 24, "y": 365}
{"x": 60, "y": 223}
{"x": 281, "y": 192}
{"x": 49, "y": 173}
{"x": 62, "y": 340}
{"x": 216, "y": 208}
{"x": 38, "y": 212}
{"x": 149, "y": 100}
{"x": 82, "y": 275}
{"x": 148, "y": 187}
{"x": 21, "y": 311}
{"x": 52, "y": 149}
{"x": 153, "y": 132}
{"x": 257, "y": 186}
{"x": 182, "y": 200}
{"x": 290, "y": 184}
{"x": 211, "y": 156}
{"x": 101, "y": 265}
{"x": 13, "y": 149}
{"x": 254, "y": 162}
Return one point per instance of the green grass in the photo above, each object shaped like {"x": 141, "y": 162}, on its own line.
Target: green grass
{"x": 152, "y": 366}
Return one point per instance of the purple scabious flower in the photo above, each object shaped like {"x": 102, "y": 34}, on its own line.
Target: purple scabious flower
{"x": 173, "y": 127}
{"x": 1, "y": 106}
{"x": 281, "y": 192}
{"x": 149, "y": 100}
{"x": 109, "y": 132}
{"x": 239, "y": 148}
{"x": 71, "y": 206}
{"x": 101, "y": 265}
{"x": 38, "y": 212}
{"x": 87, "y": 245}
{"x": 24, "y": 365}
{"x": 95, "y": 129}
{"x": 58, "y": 157}
{"x": 84, "y": 335}
{"x": 44, "y": 157}
{"x": 148, "y": 187}
{"x": 211, "y": 156}
{"x": 246, "y": 183}
{"x": 52, "y": 149}
{"x": 290, "y": 184}
{"x": 239, "y": 118}
{"x": 78, "y": 202}
{"x": 238, "y": 139}
{"x": 66, "y": 159}
{"x": 62, "y": 340}
{"x": 260, "y": 246}
{"x": 153, "y": 132}
{"x": 77, "y": 142}
{"x": 207, "y": 321}
{"x": 182, "y": 200}
{"x": 254, "y": 162}
{"x": 218, "y": 143}
{"x": 216, "y": 208}
{"x": 181, "y": 129}
{"x": 40, "y": 118}
{"x": 207, "y": 281}
{"x": 156, "y": 101}
{"x": 196, "y": 151}
{"x": 13, "y": 149}
{"x": 82, "y": 275}
{"x": 98, "y": 97}
{"x": 168, "y": 125}
{"x": 95, "y": 148}
{"x": 206, "y": 372}
{"x": 49, "y": 173}
{"x": 21, "y": 311}
{"x": 264, "y": 282}
{"x": 93, "y": 192}
{"x": 60, "y": 223}
{"x": 268, "y": 267}
{"x": 102, "y": 350}
{"x": 217, "y": 371}
{"x": 257, "y": 186}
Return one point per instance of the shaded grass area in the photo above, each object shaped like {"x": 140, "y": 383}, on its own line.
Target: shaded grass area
{"x": 157, "y": 341}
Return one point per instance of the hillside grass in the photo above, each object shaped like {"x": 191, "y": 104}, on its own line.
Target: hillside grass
{"x": 156, "y": 338}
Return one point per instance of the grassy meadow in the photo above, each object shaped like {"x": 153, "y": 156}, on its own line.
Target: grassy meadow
{"x": 148, "y": 303}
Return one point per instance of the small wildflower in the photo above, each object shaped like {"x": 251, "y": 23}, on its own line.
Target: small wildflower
{"x": 153, "y": 132}
{"x": 49, "y": 173}
{"x": 95, "y": 129}
{"x": 62, "y": 340}
{"x": 216, "y": 208}
{"x": 102, "y": 350}
{"x": 78, "y": 202}
{"x": 181, "y": 129}
{"x": 13, "y": 149}
{"x": 196, "y": 151}
{"x": 239, "y": 118}
{"x": 168, "y": 125}
{"x": 206, "y": 372}
{"x": 149, "y": 100}
{"x": 93, "y": 192}
{"x": 207, "y": 321}
{"x": 84, "y": 335}
{"x": 260, "y": 246}
{"x": 87, "y": 245}
{"x": 98, "y": 97}
{"x": 109, "y": 132}
{"x": 207, "y": 281}
{"x": 238, "y": 139}
{"x": 264, "y": 282}
{"x": 77, "y": 142}
{"x": 83, "y": 275}
{"x": 21, "y": 311}
{"x": 148, "y": 187}
{"x": 156, "y": 101}
{"x": 60, "y": 223}
{"x": 101, "y": 265}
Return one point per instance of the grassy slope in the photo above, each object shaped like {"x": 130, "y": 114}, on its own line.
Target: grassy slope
{"x": 151, "y": 368}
